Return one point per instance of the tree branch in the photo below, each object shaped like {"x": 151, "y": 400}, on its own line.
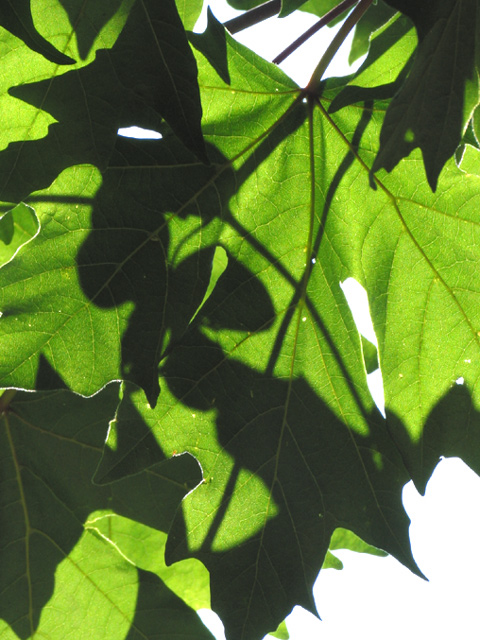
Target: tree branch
{"x": 314, "y": 84}
{"x": 254, "y": 16}
{"x": 328, "y": 17}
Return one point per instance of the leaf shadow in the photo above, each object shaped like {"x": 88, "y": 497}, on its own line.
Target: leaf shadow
{"x": 283, "y": 433}
{"x": 52, "y": 444}
{"x": 452, "y": 429}
{"x": 152, "y": 593}
{"x": 87, "y": 20}
{"x": 128, "y": 258}
{"x": 138, "y": 81}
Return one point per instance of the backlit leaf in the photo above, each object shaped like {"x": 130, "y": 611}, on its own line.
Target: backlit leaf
{"x": 51, "y": 445}
{"x": 203, "y": 270}
{"x": 16, "y": 17}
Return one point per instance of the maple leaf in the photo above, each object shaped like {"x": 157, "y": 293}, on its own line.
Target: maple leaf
{"x": 435, "y": 104}
{"x": 203, "y": 269}
{"x": 51, "y": 446}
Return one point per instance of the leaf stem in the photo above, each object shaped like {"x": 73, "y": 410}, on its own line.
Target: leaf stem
{"x": 314, "y": 84}
{"x": 324, "y": 20}
{"x": 253, "y": 17}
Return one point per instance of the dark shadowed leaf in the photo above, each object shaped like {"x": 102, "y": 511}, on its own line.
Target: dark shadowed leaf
{"x": 141, "y": 85}
{"x": 74, "y": 282}
{"x": 51, "y": 445}
{"x": 436, "y": 102}
{"x": 207, "y": 278}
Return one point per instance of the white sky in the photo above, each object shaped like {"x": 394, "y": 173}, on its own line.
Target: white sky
{"x": 377, "y": 598}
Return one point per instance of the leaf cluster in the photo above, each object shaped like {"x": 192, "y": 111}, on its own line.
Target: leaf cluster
{"x": 186, "y": 420}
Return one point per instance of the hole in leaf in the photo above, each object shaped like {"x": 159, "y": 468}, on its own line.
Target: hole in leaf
{"x": 375, "y": 386}
{"x": 139, "y": 132}
{"x": 357, "y": 300}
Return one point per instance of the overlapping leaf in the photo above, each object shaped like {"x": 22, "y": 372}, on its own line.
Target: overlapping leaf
{"x": 16, "y": 17}
{"x": 267, "y": 382}
{"x": 384, "y": 70}
{"x": 133, "y": 89}
{"x": 435, "y": 247}
{"x": 17, "y": 227}
{"x": 189, "y": 11}
{"x": 51, "y": 446}
{"x": 139, "y": 85}
{"x": 437, "y": 100}
{"x": 374, "y": 19}
{"x": 244, "y": 4}
{"x": 90, "y": 20}
{"x": 418, "y": 372}
{"x": 107, "y": 268}
{"x": 263, "y": 379}
{"x": 247, "y": 427}
{"x": 144, "y": 547}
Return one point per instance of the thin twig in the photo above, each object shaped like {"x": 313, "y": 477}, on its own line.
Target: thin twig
{"x": 254, "y": 16}
{"x": 328, "y": 17}
{"x": 315, "y": 81}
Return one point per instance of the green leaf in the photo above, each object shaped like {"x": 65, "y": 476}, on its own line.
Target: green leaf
{"x": 140, "y": 280}
{"x": 282, "y": 632}
{"x": 344, "y": 539}
{"x": 6, "y": 228}
{"x": 189, "y": 11}
{"x": 158, "y": 82}
{"x": 317, "y": 7}
{"x": 112, "y": 597}
{"x": 375, "y": 18}
{"x": 261, "y": 421}
{"x": 212, "y": 290}
{"x": 389, "y": 49}
{"x": 84, "y": 285}
{"x": 244, "y": 5}
{"x": 212, "y": 44}
{"x": 443, "y": 304}
{"x": 332, "y": 562}
{"x": 436, "y": 102}
{"x": 16, "y": 17}
{"x": 144, "y": 548}
{"x": 92, "y": 21}
{"x": 51, "y": 445}
{"x": 17, "y": 227}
